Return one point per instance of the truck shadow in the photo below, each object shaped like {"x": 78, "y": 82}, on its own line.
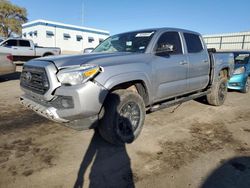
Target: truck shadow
{"x": 234, "y": 173}
{"x": 110, "y": 165}
{"x": 8, "y": 77}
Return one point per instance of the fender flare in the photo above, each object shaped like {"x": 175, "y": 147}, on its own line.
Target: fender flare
{"x": 129, "y": 77}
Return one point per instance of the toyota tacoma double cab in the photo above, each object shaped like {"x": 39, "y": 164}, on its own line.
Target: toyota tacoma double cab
{"x": 127, "y": 75}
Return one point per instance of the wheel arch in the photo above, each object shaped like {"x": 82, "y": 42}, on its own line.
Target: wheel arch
{"x": 138, "y": 81}
{"x": 47, "y": 54}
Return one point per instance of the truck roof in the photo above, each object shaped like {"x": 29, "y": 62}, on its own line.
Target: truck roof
{"x": 12, "y": 38}
{"x": 164, "y": 29}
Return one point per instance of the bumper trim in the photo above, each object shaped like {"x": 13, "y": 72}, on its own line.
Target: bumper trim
{"x": 51, "y": 114}
{"x": 48, "y": 112}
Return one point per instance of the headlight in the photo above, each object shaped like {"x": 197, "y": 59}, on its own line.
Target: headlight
{"x": 79, "y": 75}
{"x": 239, "y": 70}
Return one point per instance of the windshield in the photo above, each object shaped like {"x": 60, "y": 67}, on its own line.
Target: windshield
{"x": 241, "y": 59}
{"x": 136, "y": 42}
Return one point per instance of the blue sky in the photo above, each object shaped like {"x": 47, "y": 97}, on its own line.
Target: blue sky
{"x": 204, "y": 16}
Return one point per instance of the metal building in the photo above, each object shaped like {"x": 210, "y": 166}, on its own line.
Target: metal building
{"x": 70, "y": 38}
{"x": 228, "y": 41}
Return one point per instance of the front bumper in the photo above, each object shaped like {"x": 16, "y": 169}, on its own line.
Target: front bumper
{"x": 48, "y": 112}
{"x": 237, "y": 82}
{"x": 87, "y": 100}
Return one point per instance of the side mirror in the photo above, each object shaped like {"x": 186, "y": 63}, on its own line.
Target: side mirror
{"x": 164, "y": 49}
{"x": 88, "y": 50}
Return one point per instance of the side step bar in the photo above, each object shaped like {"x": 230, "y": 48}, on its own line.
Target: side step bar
{"x": 176, "y": 101}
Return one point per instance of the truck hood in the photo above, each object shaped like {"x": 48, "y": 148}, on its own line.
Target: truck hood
{"x": 101, "y": 59}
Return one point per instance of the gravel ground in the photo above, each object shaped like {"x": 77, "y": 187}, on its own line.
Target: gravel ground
{"x": 194, "y": 145}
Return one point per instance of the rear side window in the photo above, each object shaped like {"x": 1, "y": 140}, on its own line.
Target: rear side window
{"x": 171, "y": 38}
{"x": 193, "y": 42}
{"x": 24, "y": 43}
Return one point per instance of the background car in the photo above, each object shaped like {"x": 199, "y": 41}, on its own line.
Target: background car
{"x": 239, "y": 80}
{"x": 6, "y": 64}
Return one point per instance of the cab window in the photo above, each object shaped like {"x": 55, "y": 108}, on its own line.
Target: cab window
{"x": 24, "y": 43}
{"x": 193, "y": 42}
{"x": 170, "y": 40}
{"x": 10, "y": 43}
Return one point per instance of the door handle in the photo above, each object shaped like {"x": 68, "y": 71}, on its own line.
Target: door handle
{"x": 205, "y": 61}
{"x": 15, "y": 48}
{"x": 183, "y": 63}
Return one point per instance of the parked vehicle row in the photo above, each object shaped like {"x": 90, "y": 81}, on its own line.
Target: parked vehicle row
{"x": 128, "y": 74}
{"x": 6, "y": 64}
{"x": 24, "y": 50}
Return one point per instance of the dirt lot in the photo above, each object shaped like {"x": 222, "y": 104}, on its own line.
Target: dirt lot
{"x": 194, "y": 145}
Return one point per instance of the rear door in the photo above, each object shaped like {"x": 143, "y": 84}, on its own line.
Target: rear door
{"x": 199, "y": 64}
{"x": 170, "y": 69}
{"x": 25, "y": 50}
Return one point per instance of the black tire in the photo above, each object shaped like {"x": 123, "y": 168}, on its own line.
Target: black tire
{"x": 218, "y": 92}
{"x": 123, "y": 117}
{"x": 47, "y": 54}
{"x": 246, "y": 87}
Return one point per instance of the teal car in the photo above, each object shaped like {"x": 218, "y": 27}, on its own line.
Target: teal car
{"x": 239, "y": 81}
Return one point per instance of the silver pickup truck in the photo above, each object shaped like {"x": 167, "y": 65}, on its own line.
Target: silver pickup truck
{"x": 128, "y": 74}
{"x": 24, "y": 50}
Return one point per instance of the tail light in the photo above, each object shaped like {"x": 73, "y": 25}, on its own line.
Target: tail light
{"x": 10, "y": 57}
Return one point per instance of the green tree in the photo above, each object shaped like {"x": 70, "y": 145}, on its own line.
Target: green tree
{"x": 11, "y": 18}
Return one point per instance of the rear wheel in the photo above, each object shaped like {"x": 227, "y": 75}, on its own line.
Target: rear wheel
{"x": 47, "y": 54}
{"x": 124, "y": 114}
{"x": 218, "y": 93}
{"x": 246, "y": 87}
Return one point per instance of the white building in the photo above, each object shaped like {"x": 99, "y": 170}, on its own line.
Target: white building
{"x": 228, "y": 41}
{"x": 70, "y": 38}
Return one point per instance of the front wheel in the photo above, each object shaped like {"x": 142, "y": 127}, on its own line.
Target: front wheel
{"x": 218, "y": 92}
{"x": 123, "y": 119}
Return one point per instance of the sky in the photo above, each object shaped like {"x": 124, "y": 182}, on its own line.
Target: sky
{"x": 116, "y": 16}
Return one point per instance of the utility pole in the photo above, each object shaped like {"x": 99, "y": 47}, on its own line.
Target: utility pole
{"x": 82, "y": 16}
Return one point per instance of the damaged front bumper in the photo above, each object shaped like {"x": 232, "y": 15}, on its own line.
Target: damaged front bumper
{"x": 80, "y": 111}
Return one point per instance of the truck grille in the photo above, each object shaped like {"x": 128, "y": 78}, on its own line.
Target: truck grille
{"x": 34, "y": 79}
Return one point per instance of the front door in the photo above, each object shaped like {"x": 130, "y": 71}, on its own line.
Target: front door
{"x": 9, "y": 46}
{"x": 170, "y": 68}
